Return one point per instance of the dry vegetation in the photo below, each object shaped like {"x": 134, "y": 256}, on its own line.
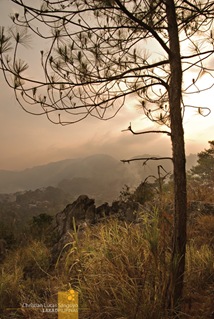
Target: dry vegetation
{"x": 120, "y": 271}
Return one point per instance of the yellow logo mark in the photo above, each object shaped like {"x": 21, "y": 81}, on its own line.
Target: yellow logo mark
{"x": 68, "y": 304}
{"x": 71, "y": 295}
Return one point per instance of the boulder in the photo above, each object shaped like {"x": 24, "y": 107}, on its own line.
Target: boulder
{"x": 81, "y": 210}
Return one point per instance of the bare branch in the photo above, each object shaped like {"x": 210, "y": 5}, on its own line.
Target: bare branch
{"x": 146, "y": 159}
{"x": 145, "y": 132}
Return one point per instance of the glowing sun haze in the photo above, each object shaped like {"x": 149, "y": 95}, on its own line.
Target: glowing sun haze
{"x": 28, "y": 140}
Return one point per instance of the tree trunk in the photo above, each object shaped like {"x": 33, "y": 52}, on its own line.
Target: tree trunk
{"x": 179, "y": 161}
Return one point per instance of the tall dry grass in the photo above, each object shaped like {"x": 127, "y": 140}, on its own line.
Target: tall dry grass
{"x": 120, "y": 269}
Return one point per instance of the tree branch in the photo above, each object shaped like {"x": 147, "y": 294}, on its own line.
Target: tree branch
{"x": 144, "y": 25}
{"x": 146, "y": 159}
{"x": 145, "y": 132}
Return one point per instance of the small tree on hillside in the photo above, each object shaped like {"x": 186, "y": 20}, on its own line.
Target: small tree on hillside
{"x": 201, "y": 176}
{"x": 204, "y": 170}
{"x": 99, "y": 58}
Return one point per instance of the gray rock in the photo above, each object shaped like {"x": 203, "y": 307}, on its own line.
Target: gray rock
{"x": 83, "y": 209}
{"x": 83, "y": 212}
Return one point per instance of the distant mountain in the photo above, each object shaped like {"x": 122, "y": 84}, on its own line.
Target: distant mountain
{"x": 99, "y": 168}
{"x": 32, "y": 178}
{"x": 100, "y": 176}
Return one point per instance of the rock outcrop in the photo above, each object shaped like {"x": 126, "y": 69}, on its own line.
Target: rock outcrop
{"x": 80, "y": 211}
{"x": 83, "y": 212}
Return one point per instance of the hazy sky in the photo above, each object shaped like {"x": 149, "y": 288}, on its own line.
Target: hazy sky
{"x": 27, "y": 140}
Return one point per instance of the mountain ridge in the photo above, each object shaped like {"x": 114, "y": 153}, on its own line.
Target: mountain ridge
{"x": 52, "y": 173}
{"x": 98, "y": 167}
